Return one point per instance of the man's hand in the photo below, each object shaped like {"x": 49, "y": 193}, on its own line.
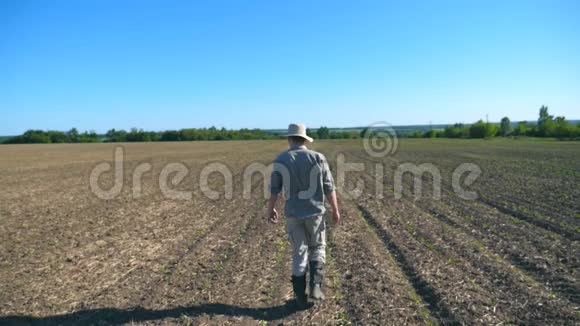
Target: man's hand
{"x": 334, "y": 205}
{"x": 272, "y": 213}
{"x": 336, "y": 217}
{"x": 273, "y": 216}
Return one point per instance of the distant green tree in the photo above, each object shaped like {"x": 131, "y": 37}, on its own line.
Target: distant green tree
{"x": 506, "y": 126}
{"x": 219, "y": 135}
{"x": 350, "y": 135}
{"x": 481, "y": 129}
{"x": 30, "y": 137}
{"x": 564, "y": 129}
{"x": 110, "y": 135}
{"x": 458, "y": 130}
{"x": 36, "y": 137}
{"x": 430, "y": 134}
{"x": 140, "y": 135}
{"x": 89, "y": 137}
{"x": 183, "y": 134}
{"x": 313, "y": 135}
{"x": 522, "y": 129}
{"x": 415, "y": 134}
{"x": 171, "y": 135}
{"x": 544, "y": 115}
{"x": 477, "y": 130}
{"x": 363, "y": 132}
{"x": 211, "y": 133}
{"x": 57, "y": 137}
{"x": 73, "y": 135}
{"x": 323, "y": 133}
{"x": 545, "y": 123}
{"x": 116, "y": 136}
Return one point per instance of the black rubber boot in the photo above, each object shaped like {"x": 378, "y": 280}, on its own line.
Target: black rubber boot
{"x": 316, "y": 280}
{"x": 299, "y": 286}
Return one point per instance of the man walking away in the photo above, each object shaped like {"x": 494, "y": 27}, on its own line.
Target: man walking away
{"x": 305, "y": 178}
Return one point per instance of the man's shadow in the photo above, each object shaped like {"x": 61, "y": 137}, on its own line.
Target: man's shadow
{"x": 113, "y": 316}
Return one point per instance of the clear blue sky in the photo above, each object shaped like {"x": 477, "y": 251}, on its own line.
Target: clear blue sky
{"x": 100, "y": 64}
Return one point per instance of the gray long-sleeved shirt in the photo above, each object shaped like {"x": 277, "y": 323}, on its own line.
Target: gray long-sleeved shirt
{"x": 305, "y": 177}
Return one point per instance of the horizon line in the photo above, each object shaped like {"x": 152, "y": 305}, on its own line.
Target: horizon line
{"x": 574, "y": 121}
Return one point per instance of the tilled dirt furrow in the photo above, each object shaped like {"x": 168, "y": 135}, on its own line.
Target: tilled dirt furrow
{"x": 82, "y": 237}
{"x": 250, "y": 283}
{"x": 245, "y": 282}
{"x": 373, "y": 289}
{"x": 70, "y": 258}
{"x": 484, "y": 268}
{"x": 516, "y": 298}
{"x": 546, "y": 256}
{"x": 126, "y": 279}
{"x": 127, "y": 290}
{"x": 85, "y": 263}
{"x": 537, "y": 183}
{"x": 540, "y": 253}
{"x": 548, "y": 225}
{"x": 429, "y": 275}
{"x": 392, "y": 163}
{"x": 546, "y": 262}
{"x": 230, "y": 222}
{"x": 539, "y": 212}
{"x": 550, "y": 259}
{"x": 551, "y": 209}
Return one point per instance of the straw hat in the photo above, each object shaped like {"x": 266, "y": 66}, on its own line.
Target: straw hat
{"x": 299, "y": 130}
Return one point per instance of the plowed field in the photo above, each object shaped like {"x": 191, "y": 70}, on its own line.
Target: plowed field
{"x": 511, "y": 256}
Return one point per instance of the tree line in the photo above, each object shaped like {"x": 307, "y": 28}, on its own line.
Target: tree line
{"x": 188, "y": 134}
{"x": 53, "y": 136}
{"x": 140, "y": 135}
{"x": 326, "y": 133}
{"x": 546, "y": 126}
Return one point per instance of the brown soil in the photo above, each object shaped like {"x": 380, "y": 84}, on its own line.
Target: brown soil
{"x": 68, "y": 257}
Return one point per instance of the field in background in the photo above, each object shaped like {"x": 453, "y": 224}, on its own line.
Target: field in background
{"x": 511, "y": 256}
